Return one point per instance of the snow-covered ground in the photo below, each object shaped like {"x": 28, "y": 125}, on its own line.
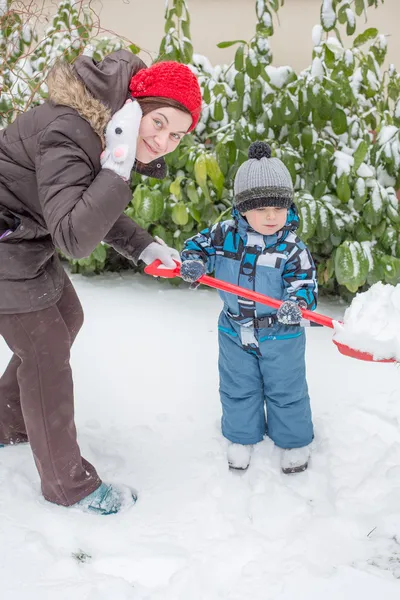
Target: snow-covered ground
{"x": 147, "y": 411}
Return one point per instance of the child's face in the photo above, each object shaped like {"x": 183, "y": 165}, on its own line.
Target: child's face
{"x": 267, "y": 220}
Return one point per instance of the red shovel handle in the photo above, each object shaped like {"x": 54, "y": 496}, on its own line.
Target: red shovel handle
{"x": 157, "y": 271}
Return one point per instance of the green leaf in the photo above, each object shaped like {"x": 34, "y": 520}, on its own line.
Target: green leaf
{"x": 307, "y": 223}
{"x": 339, "y": 121}
{"x": 137, "y": 197}
{"x": 192, "y": 192}
{"x": 252, "y": 71}
{"x": 218, "y": 111}
{"x": 327, "y": 23}
{"x": 351, "y": 265}
{"x": 186, "y": 29}
{"x": 151, "y": 205}
{"x": 307, "y": 137}
{"x": 175, "y": 187}
{"x": 359, "y": 6}
{"x": 391, "y": 269}
{"x": 134, "y": 49}
{"x": 100, "y": 253}
{"x": 187, "y": 52}
{"x": 323, "y": 222}
{"x": 256, "y": 97}
{"x": 343, "y": 189}
{"x": 330, "y": 58}
{"x": 342, "y": 13}
{"x": 351, "y": 26}
{"x": 360, "y": 154}
{"x": 178, "y": 8}
{"x": 239, "y": 83}
{"x": 239, "y": 58}
{"x": 228, "y": 44}
{"x": 215, "y": 173}
{"x": 360, "y": 193}
{"x": 200, "y": 170}
{"x": 180, "y": 215}
{"x": 368, "y": 34}
{"x": 326, "y": 107}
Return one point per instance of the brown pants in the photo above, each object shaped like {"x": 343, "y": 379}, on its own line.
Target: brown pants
{"x": 36, "y": 396}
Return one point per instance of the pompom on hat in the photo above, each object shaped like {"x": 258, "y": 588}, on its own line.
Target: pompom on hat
{"x": 171, "y": 80}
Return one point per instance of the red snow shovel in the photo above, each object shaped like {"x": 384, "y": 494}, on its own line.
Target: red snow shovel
{"x": 157, "y": 270}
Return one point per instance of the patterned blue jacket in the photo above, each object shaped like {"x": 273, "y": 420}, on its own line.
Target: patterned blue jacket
{"x": 278, "y": 265}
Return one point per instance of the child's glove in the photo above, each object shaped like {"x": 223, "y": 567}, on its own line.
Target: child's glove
{"x": 159, "y": 250}
{"x": 121, "y": 140}
{"x": 289, "y": 313}
{"x": 191, "y": 271}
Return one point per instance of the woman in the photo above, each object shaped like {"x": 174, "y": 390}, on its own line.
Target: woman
{"x": 64, "y": 183}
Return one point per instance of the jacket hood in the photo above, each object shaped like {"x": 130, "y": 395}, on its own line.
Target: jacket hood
{"x": 96, "y": 90}
{"x": 292, "y": 223}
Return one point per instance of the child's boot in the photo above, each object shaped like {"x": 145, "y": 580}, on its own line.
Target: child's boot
{"x": 239, "y": 456}
{"x": 108, "y": 499}
{"x": 295, "y": 460}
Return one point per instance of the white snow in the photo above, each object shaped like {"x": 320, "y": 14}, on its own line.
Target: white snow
{"x": 278, "y": 75}
{"x": 267, "y": 19}
{"x": 343, "y": 162}
{"x": 397, "y": 110}
{"x": 360, "y": 185}
{"x": 372, "y": 322}
{"x": 376, "y": 196}
{"x": 317, "y": 68}
{"x": 316, "y": 35}
{"x": 348, "y": 58}
{"x": 387, "y": 133}
{"x": 263, "y": 44}
{"x": 3, "y": 7}
{"x": 253, "y": 57}
{"x": 351, "y": 18}
{"x": 365, "y": 170}
{"x": 147, "y": 411}
{"x": 335, "y": 46}
{"x": 373, "y": 81}
{"x": 328, "y": 15}
{"x": 260, "y": 8}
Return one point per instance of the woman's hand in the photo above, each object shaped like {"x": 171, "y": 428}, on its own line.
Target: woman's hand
{"x": 121, "y": 140}
{"x": 159, "y": 250}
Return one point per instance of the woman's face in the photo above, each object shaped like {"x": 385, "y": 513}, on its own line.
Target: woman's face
{"x": 160, "y": 132}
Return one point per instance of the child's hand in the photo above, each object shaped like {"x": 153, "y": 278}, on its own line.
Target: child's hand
{"x": 121, "y": 139}
{"x": 289, "y": 313}
{"x": 192, "y": 270}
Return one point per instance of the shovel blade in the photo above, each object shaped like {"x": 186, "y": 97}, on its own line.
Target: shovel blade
{"x": 353, "y": 353}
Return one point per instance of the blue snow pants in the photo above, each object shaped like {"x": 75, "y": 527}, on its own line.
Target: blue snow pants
{"x": 275, "y": 381}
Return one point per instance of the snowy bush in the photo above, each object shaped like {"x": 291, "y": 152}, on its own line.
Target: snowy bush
{"x": 25, "y": 61}
{"x": 335, "y": 125}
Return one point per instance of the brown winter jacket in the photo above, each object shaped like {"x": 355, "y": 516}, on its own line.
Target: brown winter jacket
{"x": 53, "y": 192}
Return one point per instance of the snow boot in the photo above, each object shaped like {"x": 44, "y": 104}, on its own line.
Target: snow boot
{"x": 108, "y": 500}
{"x": 239, "y": 456}
{"x": 295, "y": 460}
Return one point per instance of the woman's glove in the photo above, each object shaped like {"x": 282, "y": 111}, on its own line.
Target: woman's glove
{"x": 121, "y": 140}
{"x": 159, "y": 250}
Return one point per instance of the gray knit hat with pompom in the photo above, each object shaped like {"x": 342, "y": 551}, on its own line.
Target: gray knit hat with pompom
{"x": 262, "y": 181}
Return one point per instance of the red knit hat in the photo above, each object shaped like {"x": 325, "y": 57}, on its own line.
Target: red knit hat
{"x": 171, "y": 80}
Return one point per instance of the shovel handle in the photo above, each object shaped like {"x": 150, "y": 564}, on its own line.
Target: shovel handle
{"x": 157, "y": 271}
